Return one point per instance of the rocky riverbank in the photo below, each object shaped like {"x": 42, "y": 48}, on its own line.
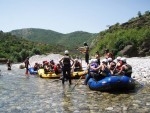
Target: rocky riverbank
{"x": 140, "y": 65}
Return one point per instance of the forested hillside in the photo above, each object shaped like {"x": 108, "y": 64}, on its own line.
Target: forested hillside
{"x": 69, "y": 41}
{"x": 131, "y": 38}
{"x": 17, "y": 49}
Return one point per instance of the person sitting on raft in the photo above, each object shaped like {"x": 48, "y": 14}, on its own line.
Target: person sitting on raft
{"x": 77, "y": 65}
{"x": 52, "y": 65}
{"x": 36, "y": 66}
{"x": 46, "y": 67}
{"x": 111, "y": 66}
{"x": 103, "y": 70}
{"x": 92, "y": 70}
{"x": 125, "y": 69}
{"x": 58, "y": 69}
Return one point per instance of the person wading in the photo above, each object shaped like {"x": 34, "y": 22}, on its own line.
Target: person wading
{"x": 66, "y": 63}
{"x": 26, "y": 62}
{"x": 9, "y": 64}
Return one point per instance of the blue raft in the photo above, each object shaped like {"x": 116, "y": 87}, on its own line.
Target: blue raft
{"x": 112, "y": 83}
{"x": 32, "y": 72}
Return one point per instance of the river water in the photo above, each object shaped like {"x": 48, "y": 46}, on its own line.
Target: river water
{"x": 22, "y": 94}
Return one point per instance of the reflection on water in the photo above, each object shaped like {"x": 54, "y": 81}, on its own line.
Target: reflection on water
{"x": 19, "y": 93}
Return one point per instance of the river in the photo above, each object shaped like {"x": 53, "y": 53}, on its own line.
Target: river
{"x": 22, "y": 94}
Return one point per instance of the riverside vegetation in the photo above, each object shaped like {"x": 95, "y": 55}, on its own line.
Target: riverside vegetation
{"x": 130, "y": 38}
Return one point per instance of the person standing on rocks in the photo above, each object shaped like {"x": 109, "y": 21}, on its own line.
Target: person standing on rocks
{"x": 86, "y": 52}
{"x": 66, "y": 67}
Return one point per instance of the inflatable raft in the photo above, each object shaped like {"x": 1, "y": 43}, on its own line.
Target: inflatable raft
{"x": 32, "y": 72}
{"x": 52, "y": 75}
{"x": 112, "y": 83}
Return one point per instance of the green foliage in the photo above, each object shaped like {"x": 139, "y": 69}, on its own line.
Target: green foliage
{"x": 17, "y": 49}
{"x": 133, "y": 32}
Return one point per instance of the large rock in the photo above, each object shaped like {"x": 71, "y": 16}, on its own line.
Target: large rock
{"x": 144, "y": 49}
{"x": 129, "y": 51}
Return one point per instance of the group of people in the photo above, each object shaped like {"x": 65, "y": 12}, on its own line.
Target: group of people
{"x": 96, "y": 68}
{"x": 65, "y": 66}
{"x": 108, "y": 67}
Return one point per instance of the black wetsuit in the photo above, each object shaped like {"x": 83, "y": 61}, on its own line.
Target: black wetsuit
{"x": 66, "y": 69}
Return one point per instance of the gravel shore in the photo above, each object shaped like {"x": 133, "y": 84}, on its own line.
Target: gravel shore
{"x": 140, "y": 65}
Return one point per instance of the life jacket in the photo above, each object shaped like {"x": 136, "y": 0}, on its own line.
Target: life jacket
{"x": 77, "y": 65}
{"x": 128, "y": 70}
{"x": 66, "y": 61}
{"x": 105, "y": 72}
{"x": 94, "y": 65}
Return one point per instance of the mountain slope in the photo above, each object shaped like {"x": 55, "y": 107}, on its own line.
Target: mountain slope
{"x": 71, "y": 40}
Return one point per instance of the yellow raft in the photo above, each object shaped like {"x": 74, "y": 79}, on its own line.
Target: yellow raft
{"x": 52, "y": 75}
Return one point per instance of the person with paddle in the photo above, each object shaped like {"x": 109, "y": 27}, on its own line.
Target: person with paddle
{"x": 66, "y": 66}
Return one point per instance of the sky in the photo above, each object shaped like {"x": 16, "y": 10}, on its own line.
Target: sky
{"x": 66, "y": 16}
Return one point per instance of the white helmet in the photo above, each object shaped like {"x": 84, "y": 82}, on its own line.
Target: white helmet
{"x": 95, "y": 60}
{"x": 109, "y": 59}
{"x": 66, "y": 52}
{"x": 123, "y": 59}
{"x": 118, "y": 58}
{"x": 104, "y": 61}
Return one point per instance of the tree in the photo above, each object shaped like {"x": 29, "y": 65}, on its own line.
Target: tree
{"x": 139, "y": 14}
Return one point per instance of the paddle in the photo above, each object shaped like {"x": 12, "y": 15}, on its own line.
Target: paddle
{"x": 77, "y": 82}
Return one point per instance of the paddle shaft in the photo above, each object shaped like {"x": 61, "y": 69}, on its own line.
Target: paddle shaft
{"x": 76, "y": 83}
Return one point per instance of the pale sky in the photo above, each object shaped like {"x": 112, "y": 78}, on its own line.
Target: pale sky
{"x": 66, "y": 16}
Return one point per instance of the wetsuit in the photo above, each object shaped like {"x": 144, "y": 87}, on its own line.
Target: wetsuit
{"x": 66, "y": 69}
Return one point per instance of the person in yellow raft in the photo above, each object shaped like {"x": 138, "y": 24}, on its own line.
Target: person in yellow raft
{"x": 66, "y": 66}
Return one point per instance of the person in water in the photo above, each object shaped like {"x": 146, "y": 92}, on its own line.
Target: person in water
{"x": 26, "y": 62}
{"x": 9, "y": 64}
{"x": 66, "y": 66}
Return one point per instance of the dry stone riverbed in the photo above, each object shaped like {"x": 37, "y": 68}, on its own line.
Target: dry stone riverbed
{"x": 22, "y": 94}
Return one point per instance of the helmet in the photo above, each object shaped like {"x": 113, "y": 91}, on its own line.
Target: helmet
{"x": 76, "y": 60}
{"x": 109, "y": 59}
{"x": 104, "y": 61}
{"x": 51, "y": 61}
{"x": 106, "y": 50}
{"x": 66, "y": 52}
{"x": 93, "y": 60}
{"x": 118, "y": 58}
{"x": 85, "y": 44}
{"x": 123, "y": 59}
